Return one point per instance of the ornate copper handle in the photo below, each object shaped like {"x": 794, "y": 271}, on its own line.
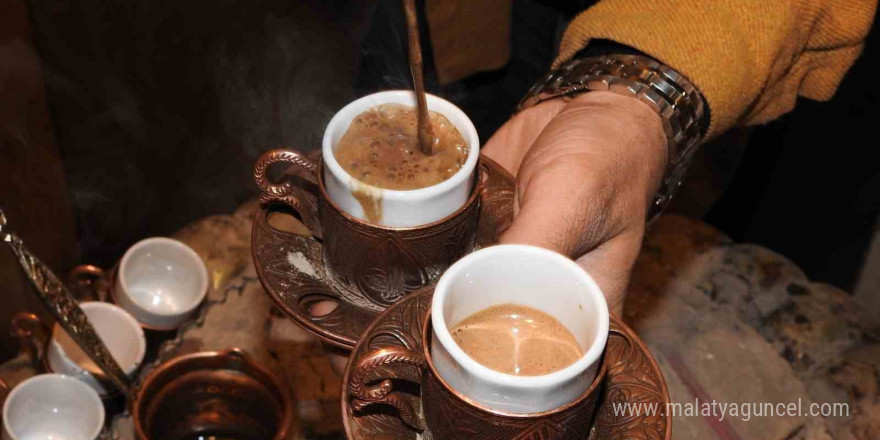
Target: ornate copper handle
{"x": 89, "y": 282}
{"x": 32, "y": 333}
{"x": 615, "y": 326}
{"x": 365, "y": 395}
{"x": 283, "y": 193}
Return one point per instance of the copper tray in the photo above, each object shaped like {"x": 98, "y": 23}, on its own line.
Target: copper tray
{"x": 291, "y": 267}
{"x": 633, "y": 377}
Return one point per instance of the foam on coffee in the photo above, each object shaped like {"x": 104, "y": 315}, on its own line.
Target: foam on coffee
{"x": 381, "y": 148}
{"x": 518, "y": 340}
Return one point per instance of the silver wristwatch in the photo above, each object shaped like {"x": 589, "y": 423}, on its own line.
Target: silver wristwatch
{"x": 679, "y": 104}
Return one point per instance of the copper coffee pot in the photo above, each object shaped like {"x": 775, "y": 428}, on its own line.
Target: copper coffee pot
{"x": 219, "y": 394}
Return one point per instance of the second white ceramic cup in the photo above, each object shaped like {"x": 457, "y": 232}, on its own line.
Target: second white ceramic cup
{"x": 52, "y": 406}
{"x": 161, "y": 282}
{"x": 400, "y": 208}
{"x": 528, "y": 276}
{"x": 120, "y": 332}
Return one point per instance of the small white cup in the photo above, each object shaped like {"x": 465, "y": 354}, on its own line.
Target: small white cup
{"x": 528, "y": 276}
{"x": 161, "y": 282}
{"x": 400, "y": 208}
{"x": 52, "y": 406}
{"x": 119, "y": 331}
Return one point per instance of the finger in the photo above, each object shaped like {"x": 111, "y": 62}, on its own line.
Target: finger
{"x": 579, "y": 221}
{"x": 609, "y": 261}
{"x": 610, "y": 265}
{"x": 512, "y": 141}
{"x": 560, "y": 206}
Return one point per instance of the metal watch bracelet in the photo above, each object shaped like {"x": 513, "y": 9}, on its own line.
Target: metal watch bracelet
{"x": 678, "y": 103}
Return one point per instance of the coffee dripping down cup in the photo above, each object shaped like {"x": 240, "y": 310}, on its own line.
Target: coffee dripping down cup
{"x": 419, "y": 233}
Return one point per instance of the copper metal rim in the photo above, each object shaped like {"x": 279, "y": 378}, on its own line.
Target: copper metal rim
{"x": 224, "y": 359}
{"x": 475, "y": 192}
{"x": 427, "y": 331}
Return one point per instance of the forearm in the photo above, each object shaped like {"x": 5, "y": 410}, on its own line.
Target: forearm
{"x": 750, "y": 59}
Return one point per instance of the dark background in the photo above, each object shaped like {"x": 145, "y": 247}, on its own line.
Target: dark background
{"x": 809, "y": 184}
{"x": 161, "y": 108}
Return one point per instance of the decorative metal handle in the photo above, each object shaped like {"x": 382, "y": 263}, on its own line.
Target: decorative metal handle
{"x": 383, "y": 393}
{"x": 89, "y": 283}
{"x": 286, "y": 193}
{"x": 32, "y": 334}
{"x": 64, "y": 307}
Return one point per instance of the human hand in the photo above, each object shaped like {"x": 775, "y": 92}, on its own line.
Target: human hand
{"x": 586, "y": 172}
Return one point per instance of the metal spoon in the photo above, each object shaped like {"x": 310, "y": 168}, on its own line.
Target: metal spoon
{"x": 427, "y": 141}
{"x": 64, "y": 307}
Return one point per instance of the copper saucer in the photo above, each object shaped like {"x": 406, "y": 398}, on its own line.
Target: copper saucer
{"x": 633, "y": 377}
{"x": 291, "y": 267}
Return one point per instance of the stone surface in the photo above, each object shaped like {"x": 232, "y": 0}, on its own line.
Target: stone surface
{"x": 739, "y": 323}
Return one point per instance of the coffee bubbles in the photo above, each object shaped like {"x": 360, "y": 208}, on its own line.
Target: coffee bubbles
{"x": 381, "y": 149}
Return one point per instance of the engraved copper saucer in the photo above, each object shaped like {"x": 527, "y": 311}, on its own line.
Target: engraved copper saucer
{"x": 291, "y": 267}
{"x": 633, "y": 376}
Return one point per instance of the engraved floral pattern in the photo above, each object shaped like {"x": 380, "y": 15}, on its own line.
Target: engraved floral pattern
{"x": 363, "y": 268}
{"x": 632, "y": 376}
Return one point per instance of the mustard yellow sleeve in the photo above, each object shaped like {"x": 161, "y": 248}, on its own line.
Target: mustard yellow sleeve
{"x": 751, "y": 59}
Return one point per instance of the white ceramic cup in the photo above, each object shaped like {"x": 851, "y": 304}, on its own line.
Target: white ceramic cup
{"x": 52, "y": 406}
{"x": 120, "y": 332}
{"x": 528, "y": 276}
{"x": 400, "y": 208}
{"x": 161, "y": 282}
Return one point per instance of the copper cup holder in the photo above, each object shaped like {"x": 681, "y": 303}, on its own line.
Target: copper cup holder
{"x": 360, "y": 267}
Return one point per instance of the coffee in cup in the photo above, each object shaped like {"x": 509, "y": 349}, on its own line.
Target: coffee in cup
{"x": 381, "y": 148}
{"x": 462, "y": 398}
{"x": 406, "y": 239}
{"x": 516, "y": 339}
{"x": 409, "y": 204}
